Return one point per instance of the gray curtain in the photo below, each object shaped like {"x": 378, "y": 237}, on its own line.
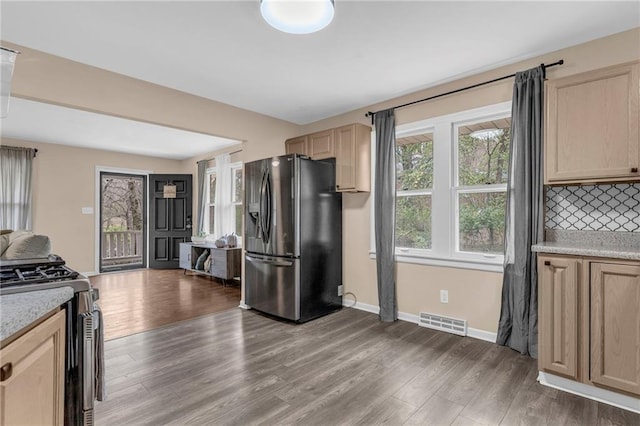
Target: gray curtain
{"x": 202, "y": 196}
{"x": 385, "y": 213}
{"x": 16, "y": 169}
{"x": 518, "y": 326}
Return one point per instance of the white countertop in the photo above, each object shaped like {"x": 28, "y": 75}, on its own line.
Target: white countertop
{"x": 21, "y": 309}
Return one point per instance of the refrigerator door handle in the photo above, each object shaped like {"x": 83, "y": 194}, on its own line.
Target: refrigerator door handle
{"x": 269, "y": 261}
{"x": 261, "y": 208}
{"x": 268, "y": 196}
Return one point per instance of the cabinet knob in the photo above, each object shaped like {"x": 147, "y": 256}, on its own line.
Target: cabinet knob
{"x": 634, "y": 170}
{"x": 6, "y": 371}
{"x": 547, "y": 263}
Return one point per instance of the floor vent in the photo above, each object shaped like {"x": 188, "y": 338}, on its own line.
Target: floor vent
{"x": 438, "y": 322}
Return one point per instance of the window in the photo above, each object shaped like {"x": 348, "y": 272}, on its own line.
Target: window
{"x": 451, "y": 189}
{"x": 232, "y": 199}
{"x": 481, "y": 185}
{"x": 414, "y": 179}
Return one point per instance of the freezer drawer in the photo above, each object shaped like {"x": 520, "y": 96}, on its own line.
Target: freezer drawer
{"x": 272, "y": 285}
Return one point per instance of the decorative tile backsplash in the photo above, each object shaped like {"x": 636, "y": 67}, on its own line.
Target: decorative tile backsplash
{"x": 593, "y": 207}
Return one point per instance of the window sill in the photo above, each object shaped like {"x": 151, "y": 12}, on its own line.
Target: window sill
{"x": 478, "y": 265}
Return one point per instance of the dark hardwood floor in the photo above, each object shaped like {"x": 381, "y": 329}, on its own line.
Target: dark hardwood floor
{"x": 241, "y": 368}
{"x": 144, "y": 299}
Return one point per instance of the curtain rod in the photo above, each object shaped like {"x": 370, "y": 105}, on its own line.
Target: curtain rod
{"x": 35, "y": 150}
{"x": 473, "y": 86}
{"x": 9, "y": 50}
{"x": 230, "y": 153}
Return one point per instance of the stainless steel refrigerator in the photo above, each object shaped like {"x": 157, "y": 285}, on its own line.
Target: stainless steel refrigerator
{"x": 293, "y": 237}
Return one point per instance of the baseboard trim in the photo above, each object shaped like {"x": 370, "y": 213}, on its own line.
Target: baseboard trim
{"x": 90, "y": 274}
{"x": 475, "y": 333}
{"x": 601, "y": 395}
{"x": 243, "y": 305}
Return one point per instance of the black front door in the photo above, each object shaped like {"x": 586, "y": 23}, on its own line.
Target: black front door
{"x": 169, "y": 218}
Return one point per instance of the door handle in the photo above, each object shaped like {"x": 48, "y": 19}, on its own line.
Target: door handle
{"x": 269, "y": 261}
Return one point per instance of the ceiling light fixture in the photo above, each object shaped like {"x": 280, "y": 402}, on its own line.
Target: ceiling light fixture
{"x": 8, "y": 60}
{"x": 297, "y": 16}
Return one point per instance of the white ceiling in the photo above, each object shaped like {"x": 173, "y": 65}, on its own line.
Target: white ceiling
{"x": 372, "y": 51}
{"x": 37, "y": 121}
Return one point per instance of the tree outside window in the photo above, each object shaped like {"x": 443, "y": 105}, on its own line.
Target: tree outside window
{"x": 414, "y": 180}
{"x": 483, "y": 166}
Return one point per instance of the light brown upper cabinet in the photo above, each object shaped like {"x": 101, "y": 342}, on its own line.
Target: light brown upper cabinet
{"x": 592, "y": 126}
{"x": 350, "y": 145}
{"x": 353, "y": 159}
{"x": 321, "y": 145}
{"x": 297, "y": 145}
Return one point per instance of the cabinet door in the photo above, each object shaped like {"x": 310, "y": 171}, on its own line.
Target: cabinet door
{"x": 615, "y": 326}
{"x": 592, "y": 126}
{"x": 33, "y": 392}
{"x": 353, "y": 158}
{"x": 558, "y": 315}
{"x": 321, "y": 145}
{"x": 297, "y": 146}
{"x": 185, "y": 256}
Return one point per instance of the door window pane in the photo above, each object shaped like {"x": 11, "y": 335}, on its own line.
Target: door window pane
{"x": 414, "y": 162}
{"x": 481, "y": 222}
{"x": 413, "y": 221}
{"x": 483, "y": 152}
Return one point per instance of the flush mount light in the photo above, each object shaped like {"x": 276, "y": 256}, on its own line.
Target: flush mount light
{"x": 297, "y": 16}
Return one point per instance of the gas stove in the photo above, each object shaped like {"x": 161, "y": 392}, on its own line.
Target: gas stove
{"x": 22, "y": 275}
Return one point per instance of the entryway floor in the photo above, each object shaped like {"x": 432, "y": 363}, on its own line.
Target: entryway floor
{"x": 144, "y": 299}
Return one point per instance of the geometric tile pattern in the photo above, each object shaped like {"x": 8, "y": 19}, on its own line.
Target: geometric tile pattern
{"x": 593, "y": 207}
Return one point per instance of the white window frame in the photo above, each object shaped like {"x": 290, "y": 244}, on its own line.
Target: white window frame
{"x": 211, "y": 203}
{"x": 444, "y": 194}
{"x": 235, "y": 167}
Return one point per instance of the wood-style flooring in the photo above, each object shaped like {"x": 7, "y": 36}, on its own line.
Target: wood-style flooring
{"x": 241, "y": 368}
{"x": 144, "y": 299}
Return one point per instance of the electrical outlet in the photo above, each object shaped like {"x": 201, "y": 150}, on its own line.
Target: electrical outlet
{"x": 340, "y": 290}
{"x": 444, "y": 296}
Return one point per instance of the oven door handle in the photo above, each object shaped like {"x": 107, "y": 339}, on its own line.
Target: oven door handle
{"x": 87, "y": 359}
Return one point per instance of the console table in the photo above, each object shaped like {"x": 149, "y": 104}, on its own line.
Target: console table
{"x": 225, "y": 262}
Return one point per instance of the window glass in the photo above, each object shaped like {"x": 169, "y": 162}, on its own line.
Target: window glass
{"x": 483, "y": 152}
{"x": 481, "y": 223}
{"x": 212, "y": 187}
{"x": 237, "y": 185}
{"x": 414, "y": 162}
{"x": 413, "y": 221}
{"x": 414, "y": 179}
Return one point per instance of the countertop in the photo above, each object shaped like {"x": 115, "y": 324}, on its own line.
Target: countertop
{"x": 21, "y": 309}
{"x": 614, "y": 245}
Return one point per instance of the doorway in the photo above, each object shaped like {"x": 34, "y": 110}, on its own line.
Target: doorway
{"x": 123, "y": 221}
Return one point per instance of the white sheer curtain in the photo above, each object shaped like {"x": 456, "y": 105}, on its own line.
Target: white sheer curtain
{"x": 15, "y": 187}
{"x": 223, "y": 208}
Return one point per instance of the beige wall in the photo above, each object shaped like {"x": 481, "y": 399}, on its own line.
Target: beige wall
{"x": 64, "y": 182}
{"x": 473, "y": 295}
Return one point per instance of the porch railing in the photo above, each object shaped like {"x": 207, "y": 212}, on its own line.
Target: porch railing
{"x": 121, "y": 247}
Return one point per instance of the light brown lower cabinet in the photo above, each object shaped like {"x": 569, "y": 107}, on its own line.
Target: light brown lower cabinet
{"x": 589, "y": 321}
{"x": 32, "y": 382}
